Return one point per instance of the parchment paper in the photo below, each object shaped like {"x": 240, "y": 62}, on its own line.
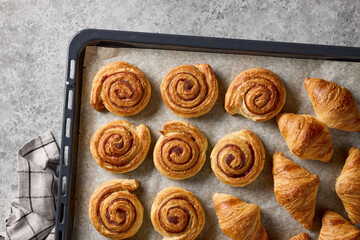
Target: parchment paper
{"x": 216, "y": 124}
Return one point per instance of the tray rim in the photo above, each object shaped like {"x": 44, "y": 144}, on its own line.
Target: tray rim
{"x": 113, "y": 38}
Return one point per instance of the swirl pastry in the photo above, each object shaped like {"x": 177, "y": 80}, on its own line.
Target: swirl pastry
{"x": 295, "y": 189}
{"x": 333, "y": 104}
{"x": 306, "y": 137}
{"x": 177, "y": 214}
{"x": 121, "y": 87}
{"x": 237, "y": 219}
{"x": 190, "y": 91}
{"x": 335, "y": 227}
{"x": 301, "y": 236}
{"x": 348, "y": 185}
{"x": 119, "y": 146}
{"x": 114, "y": 210}
{"x": 238, "y": 159}
{"x": 181, "y": 150}
{"x": 256, "y": 93}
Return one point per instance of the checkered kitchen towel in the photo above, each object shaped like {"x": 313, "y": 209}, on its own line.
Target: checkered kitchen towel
{"x": 33, "y": 212}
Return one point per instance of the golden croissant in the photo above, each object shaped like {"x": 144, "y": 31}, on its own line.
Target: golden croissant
{"x": 333, "y": 104}
{"x": 335, "y": 227}
{"x": 239, "y": 220}
{"x": 295, "y": 189}
{"x": 306, "y": 137}
{"x": 301, "y": 236}
{"x": 348, "y": 185}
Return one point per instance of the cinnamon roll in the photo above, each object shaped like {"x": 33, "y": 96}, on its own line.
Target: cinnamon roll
{"x": 120, "y": 87}
{"x": 177, "y": 214}
{"x": 238, "y": 159}
{"x": 190, "y": 91}
{"x": 301, "y": 236}
{"x": 114, "y": 210}
{"x": 256, "y": 93}
{"x": 119, "y": 146}
{"x": 181, "y": 150}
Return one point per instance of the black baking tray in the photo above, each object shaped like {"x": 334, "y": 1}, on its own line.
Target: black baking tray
{"x": 119, "y": 39}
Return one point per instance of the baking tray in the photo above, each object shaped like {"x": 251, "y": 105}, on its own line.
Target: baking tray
{"x": 123, "y": 39}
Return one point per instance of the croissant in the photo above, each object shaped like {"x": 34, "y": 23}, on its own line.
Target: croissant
{"x": 295, "y": 189}
{"x": 348, "y": 185}
{"x": 239, "y": 220}
{"x": 306, "y": 137}
{"x": 301, "y": 236}
{"x": 333, "y": 104}
{"x": 335, "y": 227}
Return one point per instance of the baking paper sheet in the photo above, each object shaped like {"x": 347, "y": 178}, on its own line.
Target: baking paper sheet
{"x": 215, "y": 124}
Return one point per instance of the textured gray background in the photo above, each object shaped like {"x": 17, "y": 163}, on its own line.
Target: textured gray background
{"x": 34, "y": 36}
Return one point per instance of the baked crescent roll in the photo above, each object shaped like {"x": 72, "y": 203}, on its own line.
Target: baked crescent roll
{"x": 119, "y": 146}
{"x": 256, "y": 93}
{"x": 190, "y": 91}
{"x": 114, "y": 210}
{"x": 180, "y": 152}
{"x": 238, "y": 158}
{"x": 301, "y": 236}
{"x": 237, "y": 219}
{"x": 306, "y": 137}
{"x": 295, "y": 189}
{"x": 348, "y": 185}
{"x": 333, "y": 104}
{"x": 335, "y": 227}
{"x": 177, "y": 214}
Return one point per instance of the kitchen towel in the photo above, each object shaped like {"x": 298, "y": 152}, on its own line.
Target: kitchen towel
{"x": 33, "y": 212}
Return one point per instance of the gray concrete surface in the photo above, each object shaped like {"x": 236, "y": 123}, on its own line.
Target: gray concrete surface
{"x": 34, "y": 36}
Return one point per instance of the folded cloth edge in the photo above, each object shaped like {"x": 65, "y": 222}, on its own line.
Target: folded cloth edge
{"x": 32, "y": 213}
